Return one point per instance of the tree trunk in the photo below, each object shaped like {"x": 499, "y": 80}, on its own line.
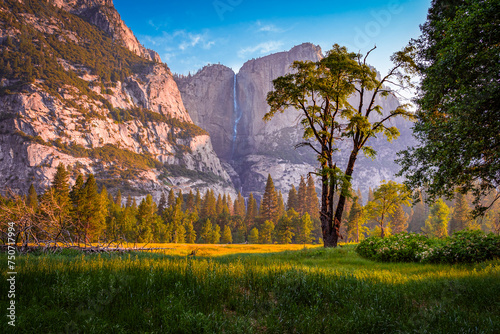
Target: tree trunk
{"x": 342, "y": 199}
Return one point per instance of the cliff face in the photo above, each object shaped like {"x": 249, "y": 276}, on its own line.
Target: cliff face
{"x": 262, "y": 147}
{"x": 123, "y": 121}
{"x": 209, "y": 96}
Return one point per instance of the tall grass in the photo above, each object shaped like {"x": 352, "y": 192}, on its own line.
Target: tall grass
{"x": 304, "y": 291}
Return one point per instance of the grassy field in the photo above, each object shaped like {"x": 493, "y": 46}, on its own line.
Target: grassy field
{"x": 249, "y": 289}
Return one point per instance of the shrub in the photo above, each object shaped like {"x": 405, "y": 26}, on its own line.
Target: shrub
{"x": 402, "y": 247}
{"x": 462, "y": 247}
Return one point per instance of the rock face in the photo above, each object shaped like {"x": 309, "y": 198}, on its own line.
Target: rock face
{"x": 133, "y": 132}
{"x": 212, "y": 87}
{"x": 259, "y": 147}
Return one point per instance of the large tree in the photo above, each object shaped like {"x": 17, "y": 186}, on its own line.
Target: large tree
{"x": 458, "y": 127}
{"x": 320, "y": 91}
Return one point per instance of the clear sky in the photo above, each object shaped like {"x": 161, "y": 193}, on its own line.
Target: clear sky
{"x": 191, "y": 34}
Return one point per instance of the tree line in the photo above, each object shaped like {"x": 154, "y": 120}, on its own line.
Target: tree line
{"x": 82, "y": 214}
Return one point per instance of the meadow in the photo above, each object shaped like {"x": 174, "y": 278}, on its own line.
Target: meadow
{"x": 249, "y": 289}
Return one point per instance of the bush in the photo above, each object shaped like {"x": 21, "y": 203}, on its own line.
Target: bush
{"x": 464, "y": 247}
{"x": 461, "y": 247}
{"x": 402, "y": 247}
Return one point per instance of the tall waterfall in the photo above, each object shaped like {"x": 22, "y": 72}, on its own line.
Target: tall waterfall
{"x": 237, "y": 114}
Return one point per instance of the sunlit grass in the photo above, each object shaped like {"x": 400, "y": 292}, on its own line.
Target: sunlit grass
{"x": 252, "y": 289}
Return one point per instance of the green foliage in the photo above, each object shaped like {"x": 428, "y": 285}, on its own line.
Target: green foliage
{"x": 458, "y": 126}
{"x": 287, "y": 292}
{"x": 401, "y": 247}
{"x": 462, "y": 247}
{"x": 436, "y": 224}
{"x": 33, "y": 54}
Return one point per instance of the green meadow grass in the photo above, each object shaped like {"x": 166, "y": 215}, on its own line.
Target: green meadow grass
{"x": 302, "y": 291}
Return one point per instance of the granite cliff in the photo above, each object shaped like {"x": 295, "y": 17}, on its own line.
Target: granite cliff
{"x": 77, "y": 88}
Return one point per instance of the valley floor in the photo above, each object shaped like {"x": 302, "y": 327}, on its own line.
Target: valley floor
{"x": 248, "y": 289}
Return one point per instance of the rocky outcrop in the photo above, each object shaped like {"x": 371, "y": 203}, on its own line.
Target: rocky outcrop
{"x": 103, "y": 14}
{"x": 259, "y": 147}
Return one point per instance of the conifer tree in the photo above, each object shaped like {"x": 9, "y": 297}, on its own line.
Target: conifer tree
{"x": 118, "y": 198}
{"x": 292, "y": 199}
{"x": 355, "y": 222}
{"x": 240, "y": 234}
{"x": 302, "y": 197}
{"x": 253, "y": 236}
{"x": 206, "y": 233}
{"x": 266, "y": 232}
{"x": 171, "y": 198}
{"x": 198, "y": 201}
{"x": 219, "y": 206}
{"x": 419, "y": 216}
{"x": 60, "y": 185}
{"x": 436, "y": 224}
{"x": 281, "y": 206}
{"x": 216, "y": 234}
{"x": 239, "y": 206}
{"x": 209, "y": 209}
{"x": 32, "y": 199}
{"x": 269, "y": 206}
{"x": 305, "y": 229}
{"x": 227, "y": 237}
{"x": 460, "y": 215}
{"x": 162, "y": 204}
{"x": 312, "y": 202}
{"x": 190, "y": 232}
{"x": 285, "y": 230}
{"x": 128, "y": 204}
{"x": 399, "y": 220}
{"x": 190, "y": 202}
{"x": 252, "y": 212}
{"x": 147, "y": 219}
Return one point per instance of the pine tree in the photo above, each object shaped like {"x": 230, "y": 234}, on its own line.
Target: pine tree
{"x": 93, "y": 222}
{"x": 460, "y": 215}
{"x": 209, "y": 209}
{"x": 302, "y": 197}
{"x": 419, "y": 216}
{"x": 61, "y": 198}
{"x": 190, "y": 232}
{"x": 266, "y": 232}
{"x": 219, "y": 206}
{"x": 312, "y": 202}
{"x": 305, "y": 228}
{"x": 216, "y": 234}
{"x": 206, "y": 233}
{"x": 239, "y": 206}
{"x": 147, "y": 219}
{"x": 32, "y": 200}
{"x": 292, "y": 199}
{"x": 436, "y": 224}
{"x": 190, "y": 202}
{"x": 253, "y": 236}
{"x": 198, "y": 201}
{"x": 118, "y": 198}
{"x": 269, "y": 207}
{"x": 355, "y": 222}
{"x": 171, "y": 198}
{"x": 227, "y": 237}
{"x": 399, "y": 220}
{"x": 252, "y": 212}
{"x": 162, "y": 204}
{"x": 285, "y": 230}
{"x": 281, "y": 206}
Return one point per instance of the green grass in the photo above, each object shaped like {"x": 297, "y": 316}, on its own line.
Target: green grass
{"x": 303, "y": 291}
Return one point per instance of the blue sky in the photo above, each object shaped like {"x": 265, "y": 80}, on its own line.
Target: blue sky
{"x": 191, "y": 34}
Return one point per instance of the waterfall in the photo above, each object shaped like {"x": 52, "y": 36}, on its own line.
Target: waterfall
{"x": 237, "y": 114}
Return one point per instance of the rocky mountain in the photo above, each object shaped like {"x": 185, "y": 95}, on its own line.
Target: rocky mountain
{"x": 253, "y": 148}
{"x": 78, "y": 88}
